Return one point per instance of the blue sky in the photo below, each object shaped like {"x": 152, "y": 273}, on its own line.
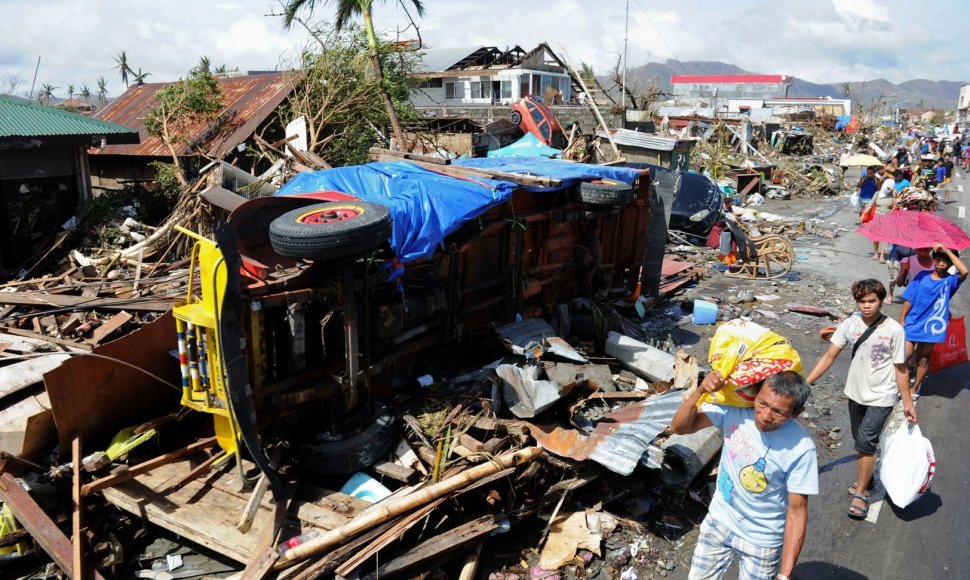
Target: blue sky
{"x": 816, "y": 40}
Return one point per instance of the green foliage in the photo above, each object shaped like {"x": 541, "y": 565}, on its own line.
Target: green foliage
{"x": 336, "y": 90}
{"x": 181, "y": 104}
{"x": 166, "y": 180}
{"x": 197, "y": 97}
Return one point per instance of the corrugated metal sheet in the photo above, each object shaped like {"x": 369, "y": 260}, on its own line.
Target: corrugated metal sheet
{"x": 441, "y": 59}
{"x": 619, "y": 441}
{"x": 20, "y": 118}
{"x": 642, "y": 140}
{"x": 249, "y": 100}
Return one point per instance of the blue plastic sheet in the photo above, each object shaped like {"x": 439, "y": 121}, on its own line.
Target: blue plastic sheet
{"x": 528, "y": 146}
{"x": 425, "y": 206}
{"x": 569, "y": 173}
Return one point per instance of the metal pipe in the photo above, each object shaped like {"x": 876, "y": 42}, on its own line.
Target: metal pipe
{"x": 183, "y": 356}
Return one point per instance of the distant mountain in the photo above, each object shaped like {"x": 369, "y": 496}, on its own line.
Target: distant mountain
{"x": 918, "y": 93}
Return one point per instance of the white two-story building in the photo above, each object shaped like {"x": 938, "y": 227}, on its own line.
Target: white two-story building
{"x": 486, "y": 75}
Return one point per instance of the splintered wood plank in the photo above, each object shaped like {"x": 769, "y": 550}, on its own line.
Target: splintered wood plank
{"x": 112, "y": 324}
{"x": 42, "y": 529}
{"x": 207, "y": 510}
{"x": 83, "y": 303}
{"x": 18, "y": 376}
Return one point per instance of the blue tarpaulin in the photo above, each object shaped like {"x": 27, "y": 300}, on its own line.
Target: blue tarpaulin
{"x": 842, "y": 121}
{"x": 568, "y": 173}
{"x": 528, "y": 146}
{"x": 425, "y": 206}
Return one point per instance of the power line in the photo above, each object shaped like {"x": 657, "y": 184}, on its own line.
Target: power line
{"x": 655, "y": 29}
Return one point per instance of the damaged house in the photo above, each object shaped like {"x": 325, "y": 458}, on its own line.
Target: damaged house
{"x": 486, "y": 75}
{"x": 248, "y": 105}
{"x": 44, "y": 173}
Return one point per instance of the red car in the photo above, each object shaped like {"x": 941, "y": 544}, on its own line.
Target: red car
{"x": 539, "y": 120}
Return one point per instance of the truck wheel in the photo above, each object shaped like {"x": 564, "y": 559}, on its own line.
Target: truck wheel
{"x": 353, "y": 452}
{"x": 330, "y": 230}
{"x": 605, "y": 192}
{"x": 516, "y": 117}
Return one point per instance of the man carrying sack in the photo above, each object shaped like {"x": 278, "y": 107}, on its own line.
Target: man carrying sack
{"x": 768, "y": 464}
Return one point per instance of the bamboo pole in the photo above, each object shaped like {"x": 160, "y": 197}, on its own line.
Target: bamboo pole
{"x": 394, "y": 508}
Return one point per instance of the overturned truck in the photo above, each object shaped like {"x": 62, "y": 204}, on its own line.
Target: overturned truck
{"x": 312, "y": 306}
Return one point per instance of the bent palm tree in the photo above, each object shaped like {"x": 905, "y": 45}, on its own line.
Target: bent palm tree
{"x": 139, "y": 77}
{"x": 122, "y": 66}
{"x": 102, "y": 91}
{"x": 347, "y": 9}
{"x": 46, "y": 93}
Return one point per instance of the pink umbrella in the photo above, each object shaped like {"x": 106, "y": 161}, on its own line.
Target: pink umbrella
{"x": 915, "y": 229}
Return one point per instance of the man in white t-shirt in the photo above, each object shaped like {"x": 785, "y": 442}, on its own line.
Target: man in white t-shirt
{"x": 768, "y": 468}
{"x": 877, "y": 376}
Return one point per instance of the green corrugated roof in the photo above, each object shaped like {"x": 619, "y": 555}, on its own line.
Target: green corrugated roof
{"x": 20, "y": 118}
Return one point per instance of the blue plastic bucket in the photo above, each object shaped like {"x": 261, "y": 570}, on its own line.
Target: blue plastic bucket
{"x": 704, "y": 312}
{"x": 365, "y": 487}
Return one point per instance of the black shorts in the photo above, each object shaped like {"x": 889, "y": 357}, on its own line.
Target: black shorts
{"x": 866, "y": 423}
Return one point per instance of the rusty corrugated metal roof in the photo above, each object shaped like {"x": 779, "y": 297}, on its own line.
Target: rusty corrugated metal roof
{"x": 247, "y": 100}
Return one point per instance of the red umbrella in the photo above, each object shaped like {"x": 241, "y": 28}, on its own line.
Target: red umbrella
{"x": 915, "y": 229}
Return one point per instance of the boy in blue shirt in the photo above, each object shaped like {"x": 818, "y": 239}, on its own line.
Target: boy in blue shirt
{"x": 926, "y": 310}
{"x": 768, "y": 468}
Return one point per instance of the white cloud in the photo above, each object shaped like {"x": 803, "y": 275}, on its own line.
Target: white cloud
{"x": 817, "y": 40}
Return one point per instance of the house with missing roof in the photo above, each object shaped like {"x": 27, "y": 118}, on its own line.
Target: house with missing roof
{"x": 486, "y": 75}
{"x": 44, "y": 174}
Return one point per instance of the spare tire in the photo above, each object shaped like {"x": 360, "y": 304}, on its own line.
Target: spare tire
{"x": 345, "y": 455}
{"x": 605, "y": 192}
{"x": 330, "y": 230}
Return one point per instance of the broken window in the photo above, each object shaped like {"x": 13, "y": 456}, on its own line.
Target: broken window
{"x": 506, "y": 89}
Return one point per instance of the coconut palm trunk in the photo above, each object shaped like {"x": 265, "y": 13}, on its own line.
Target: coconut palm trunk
{"x": 375, "y": 59}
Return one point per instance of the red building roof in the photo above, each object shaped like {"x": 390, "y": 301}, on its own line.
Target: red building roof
{"x": 715, "y": 79}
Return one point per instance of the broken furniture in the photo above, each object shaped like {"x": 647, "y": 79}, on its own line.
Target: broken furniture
{"x": 768, "y": 256}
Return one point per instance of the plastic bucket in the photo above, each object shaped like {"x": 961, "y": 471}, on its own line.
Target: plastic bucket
{"x": 365, "y": 487}
{"x": 704, "y": 312}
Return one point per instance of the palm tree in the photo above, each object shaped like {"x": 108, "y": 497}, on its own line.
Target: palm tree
{"x": 122, "y": 66}
{"x": 102, "y": 91}
{"x": 139, "y": 77}
{"x": 46, "y": 93}
{"x": 85, "y": 93}
{"x": 347, "y": 9}
{"x": 70, "y": 91}
{"x": 205, "y": 64}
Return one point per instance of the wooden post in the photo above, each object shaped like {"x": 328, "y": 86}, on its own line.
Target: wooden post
{"x": 42, "y": 529}
{"x": 77, "y": 537}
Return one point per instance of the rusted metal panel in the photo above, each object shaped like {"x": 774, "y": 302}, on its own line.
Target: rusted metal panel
{"x": 619, "y": 441}
{"x": 113, "y": 395}
{"x": 247, "y": 101}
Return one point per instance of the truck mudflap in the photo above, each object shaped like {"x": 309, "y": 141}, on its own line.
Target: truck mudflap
{"x": 234, "y": 361}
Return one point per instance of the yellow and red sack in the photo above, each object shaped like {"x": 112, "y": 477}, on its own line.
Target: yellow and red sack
{"x": 745, "y": 354}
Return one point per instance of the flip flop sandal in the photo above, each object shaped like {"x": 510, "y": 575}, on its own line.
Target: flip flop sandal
{"x": 859, "y": 513}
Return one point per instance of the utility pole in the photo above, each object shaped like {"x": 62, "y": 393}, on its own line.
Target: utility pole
{"x": 30, "y": 96}
{"x": 626, "y": 38}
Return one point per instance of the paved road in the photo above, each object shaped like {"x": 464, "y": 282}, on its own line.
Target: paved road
{"x": 928, "y": 540}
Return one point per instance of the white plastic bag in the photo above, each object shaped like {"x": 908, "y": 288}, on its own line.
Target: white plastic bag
{"x": 855, "y": 201}
{"x": 908, "y": 465}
